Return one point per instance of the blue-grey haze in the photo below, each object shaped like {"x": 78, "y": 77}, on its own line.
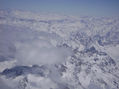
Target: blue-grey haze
{"x": 72, "y": 7}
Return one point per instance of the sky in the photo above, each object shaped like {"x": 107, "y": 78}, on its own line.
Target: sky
{"x": 72, "y": 7}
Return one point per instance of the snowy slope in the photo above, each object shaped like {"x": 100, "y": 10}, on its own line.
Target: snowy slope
{"x": 51, "y": 51}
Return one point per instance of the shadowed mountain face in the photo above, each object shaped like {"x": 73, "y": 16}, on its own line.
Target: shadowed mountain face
{"x": 58, "y": 52}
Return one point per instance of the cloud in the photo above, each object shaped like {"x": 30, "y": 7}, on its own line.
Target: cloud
{"x": 41, "y": 82}
{"x": 8, "y": 83}
{"x": 40, "y": 52}
{"x": 3, "y": 85}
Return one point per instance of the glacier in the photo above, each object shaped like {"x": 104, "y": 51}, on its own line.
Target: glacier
{"x": 54, "y": 51}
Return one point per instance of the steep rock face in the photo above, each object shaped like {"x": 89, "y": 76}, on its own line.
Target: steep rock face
{"x": 75, "y": 51}
{"x": 92, "y": 67}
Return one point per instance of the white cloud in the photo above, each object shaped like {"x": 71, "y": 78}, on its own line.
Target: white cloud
{"x": 40, "y": 52}
{"x": 41, "y": 82}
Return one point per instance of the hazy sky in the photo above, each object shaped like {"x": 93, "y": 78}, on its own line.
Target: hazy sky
{"x": 72, "y": 7}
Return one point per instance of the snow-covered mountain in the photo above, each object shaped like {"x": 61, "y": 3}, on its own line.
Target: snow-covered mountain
{"x": 52, "y": 51}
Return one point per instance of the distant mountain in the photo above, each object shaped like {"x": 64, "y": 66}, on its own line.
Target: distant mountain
{"x": 51, "y": 51}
